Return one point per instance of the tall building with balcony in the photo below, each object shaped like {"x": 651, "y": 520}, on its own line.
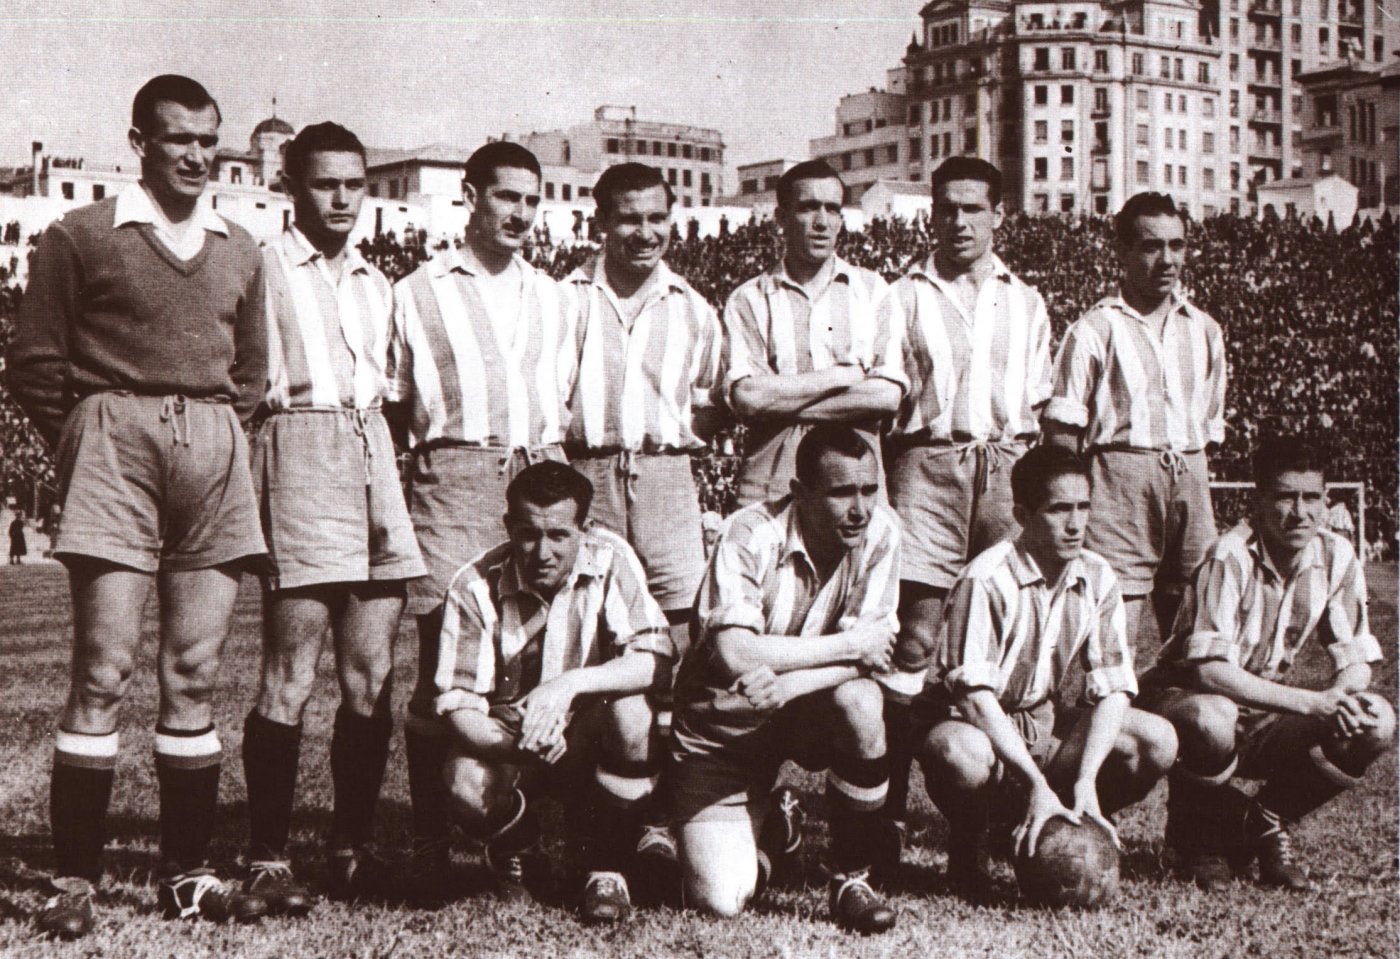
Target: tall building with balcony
{"x": 1350, "y": 127}
{"x": 690, "y": 157}
{"x": 869, "y": 141}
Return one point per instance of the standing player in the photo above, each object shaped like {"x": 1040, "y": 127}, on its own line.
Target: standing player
{"x": 483, "y": 361}
{"x": 796, "y": 612}
{"x": 802, "y": 343}
{"x": 1140, "y": 387}
{"x": 139, "y": 347}
{"x": 338, "y": 534}
{"x": 1019, "y": 616}
{"x": 976, "y": 342}
{"x": 548, "y": 642}
{"x": 1255, "y": 604}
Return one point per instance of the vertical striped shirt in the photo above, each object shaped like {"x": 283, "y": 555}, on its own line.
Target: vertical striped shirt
{"x": 1240, "y": 609}
{"x": 470, "y": 382}
{"x": 327, "y": 336}
{"x": 1123, "y": 385}
{"x": 491, "y": 623}
{"x": 772, "y": 325}
{"x": 1007, "y": 630}
{"x": 640, "y": 380}
{"x": 972, "y": 376}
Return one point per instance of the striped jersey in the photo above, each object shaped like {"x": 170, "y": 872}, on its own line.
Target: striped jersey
{"x": 640, "y": 380}
{"x": 772, "y": 325}
{"x": 1121, "y": 383}
{"x": 1240, "y": 609}
{"x": 1008, "y": 630}
{"x": 327, "y": 336}
{"x": 499, "y": 640}
{"x": 972, "y": 376}
{"x": 477, "y": 371}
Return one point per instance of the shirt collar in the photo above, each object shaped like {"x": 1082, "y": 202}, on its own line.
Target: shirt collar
{"x": 793, "y": 543}
{"x": 778, "y": 277}
{"x": 593, "y": 272}
{"x": 1000, "y": 270}
{"x": 134, "y": 205}
{"x": 300, "y": 251}
{"x": 1117, "y": 302}
{"x": 1310, "y": 557}
{"x": 589, "y": 562}
{"x": 464, "y": 260}
{"x": 1027, "y": 571}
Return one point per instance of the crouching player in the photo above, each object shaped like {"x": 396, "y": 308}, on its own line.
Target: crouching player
{"x": 549, "y": 642}
{"x": 797, "y": 609}
{"x": 1257, "y": 600}
{"x": 1016, "y": 619}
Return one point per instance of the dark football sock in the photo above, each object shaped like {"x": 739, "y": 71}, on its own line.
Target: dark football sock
{"x": 359, "y": 752}
{"x": 187, "y": 770}
{"x": 271, "y": 751}
{"x": 426, "y": 747}
{"x": 856, "y": 790}
{"x": 79, "y": 793}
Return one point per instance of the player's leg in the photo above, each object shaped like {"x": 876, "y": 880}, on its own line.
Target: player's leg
{"x": 1142, "y": 754}
{"x": 1305, "y": 763}
{"x": 426, "y": 747}
{"x": 720, "y": 862}
{"x": 108, "y": 602}
{"x": 961, "y": 773}
{"x": 196, "y": 608}
{"x": 481, "y": 775}
{"x": 920, "y": 614}
{"x": 295, "y": 622}
{"x": 1204, "y": 812}
{"x": 364, "y": 634}
{"x": 1127, "y": 527}
{"x": 1190, "y": 531}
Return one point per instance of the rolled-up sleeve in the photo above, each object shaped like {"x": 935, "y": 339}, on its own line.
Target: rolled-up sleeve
{"x": 633, "y": 618}
{"x": 1077, "y": 371}
{"x": 731, "y": 595}
{"x": 744, "y": 347}
{"x": 398, "y": 371}
{"x": 1208, "y": 628}
{"x": 971, "y": 648}
{"x": 1215, "y": 412}
{"x": 887, "y": 359}
{"x": 1108, "y": 659}
{"x": 466, "y": 673}
{"x": 1038, "y": 365}
{"x": 1348, "y": 622}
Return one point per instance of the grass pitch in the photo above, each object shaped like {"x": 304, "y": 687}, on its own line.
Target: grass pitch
{"x": 1351, "y": 848}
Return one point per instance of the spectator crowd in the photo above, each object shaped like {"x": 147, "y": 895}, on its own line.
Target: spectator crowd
{"x": 1309, "y": 315}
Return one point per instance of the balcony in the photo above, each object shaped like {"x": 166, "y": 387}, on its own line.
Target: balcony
{"x": 1266, "y": 116}
{"x": 1322, "y": 133}
{"x": 1099, "y": 149}
{"x": 1266, "y": 8}
{"x": 1351, "y": 17}
{"x": 1266, "y": 42}
{"x": 1270, "y": 80}
{"x": 1265, "y": 151}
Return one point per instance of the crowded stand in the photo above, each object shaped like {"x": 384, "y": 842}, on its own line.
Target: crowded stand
{"x": 1309, "y": 315}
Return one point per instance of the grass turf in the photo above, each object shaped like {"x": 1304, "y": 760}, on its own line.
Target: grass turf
{"x": 1351, "y": 847}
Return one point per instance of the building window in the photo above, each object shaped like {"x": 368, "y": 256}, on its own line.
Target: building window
{"x": 374, "y": 189}
{"x": 745, "y": 187}
{"x": 671, "y": 176}
{"x": 685, "y": 178}
{"x": 393, "y": 189}
{"x": 1101, "y": 136}
{"x": 970, "y": 140}
{"x": 1042, "y": 95}
{"x": 1066, "y": 131}
{"x": 1208, "y": 107}
{"x": 549, "y": 191}
{"x": 1100, "y": 61}
{"x": 704, "y": 154}
{"x": 687, "y": 151}
{"x": 611, "y": 146}
{"x": 1234, "y": 66}
{"x": 916, "y": 114}
{"x": 933, "y": 147}
{"x": 947, "y": 108}
{"x": 892, "y": 153}
{"x": 1203, "y": 72}
{"x": 1142, "y": 102}
{"x": 98, "y": 191}
{"x": 1042, "y": 131}
{"x": 1100, "y": 99}
{"x": 1101, "y": 204}
{"x": 970, "y": 103}
{"x": 1235, "y": 104}
{"x": 1208, "y": 178}
{"x": 687, "y": 201}
{"x": 1378, "y": 44}
{"x": 1067, "y": 58}
{"x": 1066, "y": 94}
{"x": 869, "y": 155}
{"x": 845, "y": 162}
{"x": 1166, "y": 174}
{"x": 659, "y": 149}
{"x": 1066, "y": 202}
{"x": 1166, "y": 68}
{"x": 1066, "y": 168}
{"x": 671, "y": 150}
{"x": 1144, "y": 136}
{"x": 948, "y": 143}
{"x": 1042, "y": 203}
{"x": 1181, "y": 140}
{"x": 1042, "y": 168}
{"x": 1234, "y": 28}
{"x": 1181, "y": 103}
{"x": 1180, "y": 72}
{"x": 1167, "y": 139}
{"x": 1139, "y": 65}
{"x": 1181, "y": 176}
{"x": 1042, "y": 59}
{"x": 1167, "y": 102}
{"x": 1207, "y": 142}
{"x": 1324, "y": 40}
{"x": 1142, "y": 173}
{"x": 1295, "y": 35}
{"x": 915, "y": 148}
{"x": 566, "y": 191}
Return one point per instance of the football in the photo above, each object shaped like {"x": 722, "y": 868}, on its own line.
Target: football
{"x": 1073, "y": 865}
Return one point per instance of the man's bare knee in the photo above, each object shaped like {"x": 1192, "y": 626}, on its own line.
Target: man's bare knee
{"x": 958, "y": 756}
{"x": 99, "y": 685}
{"x": 1206, "y": 721}
{"x": 718, "y": 899}
{"x": 860, "y": 711}
{"x": 629, "y": 728}
{"x": 1147, "y": 746}
{"x": 469, "y": 783}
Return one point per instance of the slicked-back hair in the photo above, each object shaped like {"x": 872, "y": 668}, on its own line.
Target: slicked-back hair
{"x": 1289, "y": 453}
{"x": 967, "y": 168}
{"x": 808, "y": 170}
{"x": 1140, "y": 205}
{"x": 828, "y": 438}
{"x": 483, "y": 164}
{"x": 169, "y": 88}
{"x": 546, "y": 483}
{"x": 1038, "y": 468}
{"x": 627, "y": 178}
{"x": 318, "y": 138}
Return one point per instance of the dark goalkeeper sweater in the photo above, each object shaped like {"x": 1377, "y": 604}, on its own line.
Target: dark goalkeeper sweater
{"x": 111, "y": 308}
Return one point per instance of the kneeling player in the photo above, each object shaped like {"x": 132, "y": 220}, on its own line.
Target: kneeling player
{"x": 1017, "y": 617}
{"x": 797, "y": 609}
{"x": 549, "y": 642}
{"x": 1257, "y": 599}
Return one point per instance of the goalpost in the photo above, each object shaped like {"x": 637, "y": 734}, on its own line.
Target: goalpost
{"x": 1356, "y": 493}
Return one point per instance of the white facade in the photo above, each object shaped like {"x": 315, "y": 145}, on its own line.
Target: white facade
{"x": 1310, "y": 196}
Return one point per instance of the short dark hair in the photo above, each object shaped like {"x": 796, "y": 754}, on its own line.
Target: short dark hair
{"x": 1288, "y": 453}
{"x": 628, "y": 178}
{"x": 318, "y": 138}
{"x": 828, "y": 438}
{"x": 808, "y": 170}
{"x": 169, "y": 88}
{"x": 546, "y": 483}
{"x": 967, "y": 168}
{"x": 1140, "y": 205}
{"x": 483, "y": 164}
{"x": 1037, "y": 469}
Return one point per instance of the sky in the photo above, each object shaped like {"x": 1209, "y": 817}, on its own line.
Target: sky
{"x": 404, "y": 73}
